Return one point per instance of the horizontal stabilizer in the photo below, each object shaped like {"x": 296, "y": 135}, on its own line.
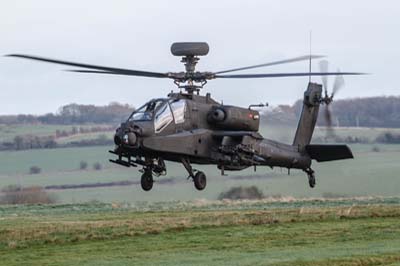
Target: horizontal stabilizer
{"x": 324, "y": 153}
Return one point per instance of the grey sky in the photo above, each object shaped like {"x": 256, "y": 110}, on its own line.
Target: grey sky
{"x": 356, "y": 35}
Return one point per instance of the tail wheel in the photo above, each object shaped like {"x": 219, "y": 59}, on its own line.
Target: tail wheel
{"x": 200, "y": 180}
{"x": 311, "y": 176}
{"x": 147, "y": 180}
{"x": 311, "y": 180}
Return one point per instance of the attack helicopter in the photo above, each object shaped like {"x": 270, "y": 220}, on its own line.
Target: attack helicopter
{"x": 190, "y": 128}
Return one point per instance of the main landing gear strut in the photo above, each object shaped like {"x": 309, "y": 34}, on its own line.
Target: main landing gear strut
{"x": 150, "y": 167}
{"x": 199, "y": 178}
{"x": 311, "y": 177}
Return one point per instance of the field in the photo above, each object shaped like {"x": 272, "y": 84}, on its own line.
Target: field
{"x": 370, "y": 173}
{"x": 350, "y": 218}
{"x": 8, "y": 132}
{"x": 340, "y": 232}
{"x": 374, "y": 171}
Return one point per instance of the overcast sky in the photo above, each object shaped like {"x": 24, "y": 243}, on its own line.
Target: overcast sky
{"x": 356, "y": 35}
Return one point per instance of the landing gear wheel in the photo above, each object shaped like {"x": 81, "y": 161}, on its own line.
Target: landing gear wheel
{"x": 147, "y": 180}
{"x": 200, "y": 180}
{"x": 311, "y": 176}
{"x": 311, "y": 180}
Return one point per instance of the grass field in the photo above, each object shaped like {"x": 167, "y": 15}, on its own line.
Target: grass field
{"x": 346, "y": 232}
{"x": 174, "y": 224}
{"x": 8, "y": 132}
{"x": 370, "y": 173}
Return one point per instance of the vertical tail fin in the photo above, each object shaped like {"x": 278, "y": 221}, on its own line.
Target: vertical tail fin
{"x": 309, "y": 115}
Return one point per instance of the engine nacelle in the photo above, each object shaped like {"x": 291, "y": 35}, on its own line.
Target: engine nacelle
{"x": 234, "y": 118}
{"x": 217, "y": 115}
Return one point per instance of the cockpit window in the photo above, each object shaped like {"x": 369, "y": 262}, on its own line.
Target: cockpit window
{"x": 146, "y": 112}
{"x": 163, "y": 117}
{"x": 178, "y": 109}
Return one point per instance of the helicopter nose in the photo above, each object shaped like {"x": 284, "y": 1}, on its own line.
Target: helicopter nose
{"x": 118, "y": 137}
{"x": 130, "y": 139}
{"x": 117, "y": 140}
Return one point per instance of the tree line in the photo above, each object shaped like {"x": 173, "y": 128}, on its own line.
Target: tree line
{"x": 112, "y": 113}
{"x": 358, "y": 112}
{"x": 29, "y": 142}
{"x": 381, "y": 112}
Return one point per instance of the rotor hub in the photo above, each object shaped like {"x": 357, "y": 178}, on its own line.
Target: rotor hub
{"x": 190, "y": 52}
{"x": 190, "y": 63}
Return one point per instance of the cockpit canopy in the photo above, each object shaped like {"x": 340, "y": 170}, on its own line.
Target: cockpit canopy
{"x": 162, "y": 111}
{"x": 146, "y": 112}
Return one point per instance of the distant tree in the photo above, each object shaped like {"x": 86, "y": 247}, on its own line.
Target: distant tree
{"x": 388, "y": 137}
{"x": 83, "y": 165}
{"x": 35, "y": 170}
{"x": 97, "y": 166}
{"x": 74, "y": 131}
{"x": 236, "y": 193}
{"x": 14, "y": 194}
{"x": 49, "y": 143}
{"x": 18, "y": 142}
{"x": 376, "y": 149}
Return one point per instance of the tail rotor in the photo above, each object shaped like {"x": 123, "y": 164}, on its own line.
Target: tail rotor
{"x": 327, "y": 99}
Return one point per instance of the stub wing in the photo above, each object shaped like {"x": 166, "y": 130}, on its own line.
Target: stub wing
{"x": 324, "y": 153}
{"x": 227, "y": 133}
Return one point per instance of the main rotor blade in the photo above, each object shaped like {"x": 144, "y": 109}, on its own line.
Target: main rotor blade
{"x": 323, "y": 67}
{"x": 291, "y": 60}
{"x": 279, "y": 75}
{"x": 109, "y": 70}
{"x": 93, "y": 71}
{"x": 338, "y": 84}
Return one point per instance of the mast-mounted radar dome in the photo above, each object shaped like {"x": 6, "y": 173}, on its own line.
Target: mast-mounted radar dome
{"x": 189, "y": 48}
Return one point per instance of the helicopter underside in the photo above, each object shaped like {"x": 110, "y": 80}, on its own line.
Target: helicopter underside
{"x": 229, "y": 151}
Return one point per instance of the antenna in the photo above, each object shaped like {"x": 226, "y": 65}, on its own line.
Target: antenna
{"x": 309, "y": 67}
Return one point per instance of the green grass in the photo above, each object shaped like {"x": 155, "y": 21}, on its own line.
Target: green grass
{"x": 50, "y": 160}
{"x": 370, "y": 173}
{"x": 86, "y": 136}
{"x": 8, "y": 132}
{"x": 248, "y": 234}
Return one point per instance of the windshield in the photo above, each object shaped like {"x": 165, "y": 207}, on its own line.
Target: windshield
{"x": 178, "y": 108}
{"x": 163, "y": 117}
{"x": 146, "y": 112}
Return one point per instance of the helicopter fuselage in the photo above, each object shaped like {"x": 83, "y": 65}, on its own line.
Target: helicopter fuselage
{"x": 202, "y": 131}
{"x": 189, "y": 128}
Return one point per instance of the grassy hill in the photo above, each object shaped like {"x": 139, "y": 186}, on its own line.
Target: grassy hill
{"x": 248, "y": 233}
